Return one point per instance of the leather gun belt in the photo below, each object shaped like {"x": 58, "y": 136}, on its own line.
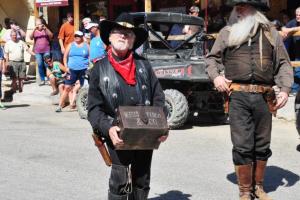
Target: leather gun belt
{"x": 250, "y": 88}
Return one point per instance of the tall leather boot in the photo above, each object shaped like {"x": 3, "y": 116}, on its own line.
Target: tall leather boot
{"x": 119, "y": 183}
{"x": 244, "y": 178}
{"x": 259, "y": 173}
{"x": 112, "y": 196}
{"x": 138, "y": 194}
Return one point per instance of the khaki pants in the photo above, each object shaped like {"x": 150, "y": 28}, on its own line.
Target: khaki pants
{"x": 17, "y": 69}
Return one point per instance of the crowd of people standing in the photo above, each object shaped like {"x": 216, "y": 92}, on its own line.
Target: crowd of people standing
{"x": 62, "y": 61}
{"x": 84, "y": 48}
{"x": 247, "y": 59}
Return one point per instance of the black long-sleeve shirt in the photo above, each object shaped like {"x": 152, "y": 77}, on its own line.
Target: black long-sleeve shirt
{"x": 100, "y": 113}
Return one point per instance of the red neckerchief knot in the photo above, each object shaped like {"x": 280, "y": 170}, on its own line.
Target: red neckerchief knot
{"x": 126, "y": 68}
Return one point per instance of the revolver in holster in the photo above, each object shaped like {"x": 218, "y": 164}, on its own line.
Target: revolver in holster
{"x": 100, "y": 144}
{"x": 267, "y": 92}
{"x": 271, "y": 100}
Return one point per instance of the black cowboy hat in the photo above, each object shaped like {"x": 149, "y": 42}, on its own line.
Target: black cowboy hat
{"x": 260, "y": 4}
{"x": 124, "y": 21}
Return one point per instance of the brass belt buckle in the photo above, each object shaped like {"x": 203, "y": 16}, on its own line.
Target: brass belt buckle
{"x": 252, "y": 88}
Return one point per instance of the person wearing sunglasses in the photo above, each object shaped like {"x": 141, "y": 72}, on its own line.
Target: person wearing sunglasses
{"x": 97, "y": 47}
{"x": 76, "y": 60}
{"x": 122, "y": 78}
{"x": 55, "y": 73}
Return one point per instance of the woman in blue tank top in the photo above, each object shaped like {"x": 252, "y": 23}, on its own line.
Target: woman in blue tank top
{"x": 76, "y": 59}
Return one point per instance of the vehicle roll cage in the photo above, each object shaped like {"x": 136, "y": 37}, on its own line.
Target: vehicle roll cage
{"x": 170, "y": 19}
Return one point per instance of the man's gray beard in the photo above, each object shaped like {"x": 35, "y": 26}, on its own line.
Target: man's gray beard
{"x": 242, "y": 30}
{"x": 119, "y": 46}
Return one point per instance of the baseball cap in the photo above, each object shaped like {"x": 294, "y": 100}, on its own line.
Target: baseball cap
{"x": 91, "y": 24}
{"x": 78, "y": 33}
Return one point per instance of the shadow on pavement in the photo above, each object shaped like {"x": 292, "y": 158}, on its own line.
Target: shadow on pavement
{"x": 274, "y": 177}
{"x": 17, "y": 106}
{"x": 298, "y": 147}
{"x": 171, "y": 195}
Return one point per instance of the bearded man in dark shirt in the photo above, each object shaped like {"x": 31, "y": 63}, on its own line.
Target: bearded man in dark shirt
{"x": 123, "y": 78}
{"x": 246, "y": 61}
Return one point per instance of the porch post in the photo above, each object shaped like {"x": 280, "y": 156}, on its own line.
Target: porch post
{"x": 35, "y": 10}
{"x": 148, "y": 7}
{"x": 76, "y": 14}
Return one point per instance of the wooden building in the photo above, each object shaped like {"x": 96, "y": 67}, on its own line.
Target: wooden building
{"x": 21, "y": 10}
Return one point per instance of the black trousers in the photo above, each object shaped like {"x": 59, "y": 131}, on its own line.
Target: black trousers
{"x": 140, "y": 165}
{"x": 250, "y": 124}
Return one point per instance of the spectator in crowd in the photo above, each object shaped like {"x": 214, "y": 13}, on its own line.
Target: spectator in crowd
{"x": 1, "y": 71}
{"x": 178, "y": 29}
{"x": 66, "y": 33}
{"x": 76, "y": 60}
{"x": 294, "y": 43}
{"x": 41, "y": 36}
{"x": 14, "y": 27}
{"x": 191, "y": 29}
{"x": 43, "y": 21}
{"x": 14, "y": 56}
{"x": 194, "y": 11}
{"x": 292, "y": 26}
{"x": 2, "y": 31}
{"x": 56, "y": 73}
{"x": 85, "y": 30}
{"x": 97, "y": 47}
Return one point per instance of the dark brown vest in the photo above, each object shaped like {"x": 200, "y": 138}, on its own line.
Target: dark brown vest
{"x": 244, "y": 65}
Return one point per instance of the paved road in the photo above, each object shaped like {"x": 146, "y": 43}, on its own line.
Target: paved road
{"x": 50, "y": 156}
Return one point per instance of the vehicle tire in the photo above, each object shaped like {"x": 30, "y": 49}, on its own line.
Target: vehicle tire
{"x": 81, "y": 102}
{"x": 177, "y": 107}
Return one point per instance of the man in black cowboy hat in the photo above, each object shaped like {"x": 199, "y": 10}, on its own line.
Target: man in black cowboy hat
{"x": 246, "y": 61}
{"x": 122, "y": 78}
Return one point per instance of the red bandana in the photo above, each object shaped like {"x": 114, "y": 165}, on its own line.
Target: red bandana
{"x": 126, "y": 68}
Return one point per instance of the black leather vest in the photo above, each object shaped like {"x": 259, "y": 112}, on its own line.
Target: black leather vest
{"x": 113, "y": 94}
{"x": 243, "y": 64}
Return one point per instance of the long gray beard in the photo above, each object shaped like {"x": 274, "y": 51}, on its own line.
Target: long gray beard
{"x": 241, "y": 31}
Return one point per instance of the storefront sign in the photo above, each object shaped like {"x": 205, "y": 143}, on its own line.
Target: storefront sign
{"x": 49, "y": 3}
